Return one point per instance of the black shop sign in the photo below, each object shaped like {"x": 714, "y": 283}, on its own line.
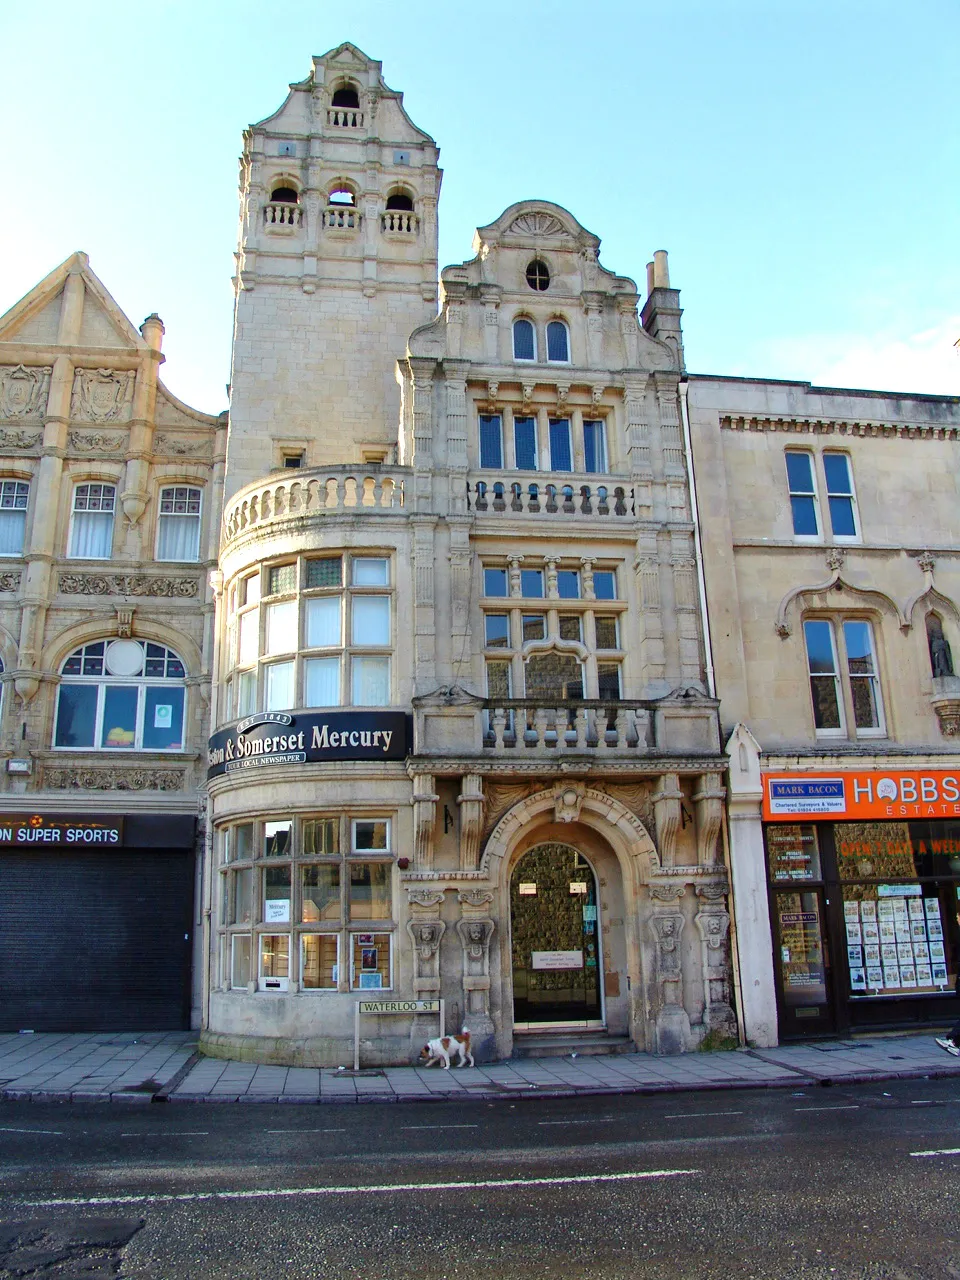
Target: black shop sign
{"x": 291, "y": 738}
{"x": 33, "y": 829}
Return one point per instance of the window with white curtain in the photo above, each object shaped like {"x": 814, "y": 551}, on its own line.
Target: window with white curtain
{"x": 91, "y": 525}
{"x": 14, "y": 495}
{"x": 178, "y": 524}
{"x": 315, "y": 632}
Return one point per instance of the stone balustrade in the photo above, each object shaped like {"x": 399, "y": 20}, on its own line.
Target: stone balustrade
{"x": 284, "y": 215}
{"x": 549, "y": 497}
{"x": 345, "y": 117}
{"x": 520, "y": 724}
{"x": 399, "y": 222}
{"x": 341, "y": 217}
{"x": 302, "y": 494}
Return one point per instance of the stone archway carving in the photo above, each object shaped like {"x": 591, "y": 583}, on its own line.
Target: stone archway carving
{"x": 623, "y": 830}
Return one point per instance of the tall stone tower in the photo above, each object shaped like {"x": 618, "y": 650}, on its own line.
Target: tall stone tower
{"x": 336, "y": 265}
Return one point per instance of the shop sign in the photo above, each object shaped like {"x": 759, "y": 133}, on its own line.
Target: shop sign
{"x": 51, "y": 829}
{"x": 862, "y": 794}
{"x": 282, "y": 738}
{"x": 556, "y": 960}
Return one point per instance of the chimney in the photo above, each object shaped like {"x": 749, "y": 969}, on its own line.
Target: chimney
{"x": 661, "y": 312}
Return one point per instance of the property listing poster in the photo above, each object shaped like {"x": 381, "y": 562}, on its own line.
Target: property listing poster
{"x": 895, "y": 944}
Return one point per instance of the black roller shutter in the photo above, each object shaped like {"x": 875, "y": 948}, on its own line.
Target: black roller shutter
{"x": 94, "y": 940}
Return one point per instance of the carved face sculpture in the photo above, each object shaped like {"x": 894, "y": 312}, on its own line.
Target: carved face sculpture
{"x": 476, "y": 932}
{"x": 428, "y": 934}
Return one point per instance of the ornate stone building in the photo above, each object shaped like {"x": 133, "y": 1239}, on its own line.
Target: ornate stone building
{"x": 464, "y": 744}
{"x": 110, "y": 494}
{"x": 831, "y": 560}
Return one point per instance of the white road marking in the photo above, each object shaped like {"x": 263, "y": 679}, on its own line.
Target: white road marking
{"x": 439, "y": 1126}
{"x": 923, "y": 1102}
{"x": 598, "y": 1120}
{"x": 171, "y": 1133}
{"x": 855, "y": 1106}
{"x": 57, "y": 1133}
{"x": 694, "y": 1115}
{"x": 306, "y": 1131}
{"x": 945, "y": 1151}
{"x": 386, "y": 1189}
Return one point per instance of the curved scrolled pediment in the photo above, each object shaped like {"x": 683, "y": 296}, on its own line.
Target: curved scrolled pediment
{"x": 871, "y": 597}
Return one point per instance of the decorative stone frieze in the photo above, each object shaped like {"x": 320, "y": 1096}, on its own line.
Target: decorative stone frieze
{"x": 842, "y": 427}
{"x": 126, "y": 584}
{"x": 102, "y": 395}
{"x": 10, "y": 581}
{"x": 79, "y": 778}
{"x": 19, "y": 439}
{"x": 180, "y": 447}
{"x": 23, "y": 392}
{"x": 96, "y": 441}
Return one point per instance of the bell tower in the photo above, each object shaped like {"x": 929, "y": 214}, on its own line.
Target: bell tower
{"x": 336, "y": 265}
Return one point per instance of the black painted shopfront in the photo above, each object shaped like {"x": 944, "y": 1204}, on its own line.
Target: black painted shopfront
{"x": 96, "y": 922}
{"x": 864, "y": 918}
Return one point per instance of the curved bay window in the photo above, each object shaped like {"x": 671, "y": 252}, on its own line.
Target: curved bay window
{"x": 307, "y": 902}
{"x": 311, "y": 633}
{"x": 126, "y": 695}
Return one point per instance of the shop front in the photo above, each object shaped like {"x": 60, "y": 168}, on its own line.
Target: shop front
{"x": 96, "y": 921}
{"x": 863, "y": 874}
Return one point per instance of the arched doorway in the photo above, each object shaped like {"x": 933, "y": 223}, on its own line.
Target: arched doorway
{"x": 555, "y": 939}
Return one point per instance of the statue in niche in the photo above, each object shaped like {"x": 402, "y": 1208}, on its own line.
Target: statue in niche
{"x": 941, "y": 659}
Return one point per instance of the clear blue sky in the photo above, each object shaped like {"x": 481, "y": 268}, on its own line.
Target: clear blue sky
{"x": 799, "y": 160}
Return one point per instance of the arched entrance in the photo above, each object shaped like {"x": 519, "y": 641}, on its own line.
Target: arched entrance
{"x": 555, "y": 939}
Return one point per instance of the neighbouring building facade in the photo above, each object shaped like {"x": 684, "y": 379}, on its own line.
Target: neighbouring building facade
{"x": 109, "y": 524}
{"x": 489, "y": 665}
{"x": 831, "y": 562}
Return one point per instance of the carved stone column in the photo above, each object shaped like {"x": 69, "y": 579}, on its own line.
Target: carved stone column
{"x": 688, "y": 615}
{"x": 425, "y": 630}
{"x": 426, "y": 930}
{"x": 713, "y": 923}
{"x": 476, "y": 931}
{"x": 667, "y": 802}
{"x": 471, "y": 803}
{"x": 647, "y": 569}
{"x": 424, "y": 820}
{"x": 708, "y": 804}
{"x": 460, "y": 558}
{"x": 671, "y": 1023}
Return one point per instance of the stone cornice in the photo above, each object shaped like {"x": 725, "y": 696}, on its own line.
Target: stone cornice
{"x": 841, "y": 427}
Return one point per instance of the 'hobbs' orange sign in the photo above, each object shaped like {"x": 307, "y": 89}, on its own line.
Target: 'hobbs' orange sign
{"x": 835, "y": 796}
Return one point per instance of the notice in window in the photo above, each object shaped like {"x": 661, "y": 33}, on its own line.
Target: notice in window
{"x": 163, "y": 716}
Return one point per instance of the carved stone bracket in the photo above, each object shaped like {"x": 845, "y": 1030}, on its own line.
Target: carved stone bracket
{"x": 475, "y": 901}
{"x": 708, "y": 803}
{"x": 82, "y": 779}
{"x": 424, "y": 819}
{"x": 672, "y": 1026}
{"x": 471, "y": 804}
{"x": 425, "y": 936}
{"x": 667, "y": 803}
{"x": 669, "y": 892}
{"x": 568, "y": 800}
{"x": 425, "y": 899}
{"x": 475, "y": 935}
{"x": 125, "y": 614}
{"x": 713, "y": 924}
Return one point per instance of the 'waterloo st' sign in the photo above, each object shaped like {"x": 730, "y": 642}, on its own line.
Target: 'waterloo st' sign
{"x": 282, "y": 738}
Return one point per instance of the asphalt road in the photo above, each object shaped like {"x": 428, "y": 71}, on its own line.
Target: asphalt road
{"x": 824, "y": 1184}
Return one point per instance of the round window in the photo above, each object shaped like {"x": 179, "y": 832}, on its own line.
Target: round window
{"x": 124, "y": 658}
{"x": 538, "y": 277}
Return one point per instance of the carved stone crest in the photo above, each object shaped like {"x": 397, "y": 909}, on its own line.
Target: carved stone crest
{"x": 535, "y": 224}
{"x": 102, "y": 395}
{"x": 835, "y": 559}
{"x": 23, "y": 391}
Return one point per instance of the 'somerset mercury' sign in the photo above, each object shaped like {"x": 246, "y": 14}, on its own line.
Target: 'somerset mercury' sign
{"x": 302, "y": 737}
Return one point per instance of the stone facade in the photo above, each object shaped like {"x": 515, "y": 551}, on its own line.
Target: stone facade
{"x": 93, "y": 450}
{"x": 521, "y": 514}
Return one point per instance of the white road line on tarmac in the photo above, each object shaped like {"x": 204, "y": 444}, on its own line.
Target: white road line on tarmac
{"x": 695, "y": 1115}
{"x": 491, "y": 1184}
{"x": 170, "y": 1133}
{"x": 305, "y": 1131}
{"x": 851, "y": 1107}
{"x": 57, "y": 1133}
{"x": 946, "y": 1151}
{"x": 603, "y": 1120}
{"x": 440, "y": 1126}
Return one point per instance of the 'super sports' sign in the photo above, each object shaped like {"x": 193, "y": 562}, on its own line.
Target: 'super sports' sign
{"x": 301, "y": 737}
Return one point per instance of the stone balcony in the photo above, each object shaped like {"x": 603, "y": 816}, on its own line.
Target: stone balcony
{"x": 290, "y": 496}
{"x": 282, "y": 218}
{"x": 553, "y": 497}
{"x": 344, "y": 117}
{"x": 455, "y": 723}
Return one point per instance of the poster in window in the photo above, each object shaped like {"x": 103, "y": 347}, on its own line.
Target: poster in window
{"x": 940, "y": 974}
{"x": 870, "y": 931}
{"x": 875, "y": 977}
{"x": 888, "y": 953}
{"x": 868, "y": 910}
{"x": 276, "y": 911}
{"x": 924, "y": 975}
{"x": 918, "y": 930}
{"x": 853, "y": 932}
{"x": 370, "y": 982}
{"x": 364, "y": 939}
{"x": 932, "y": 908}
{"x": 163, "y": 715}
{"x": 872, "y": 953}
{"x": 904, "y": 953}
{"x": 915, "y": 908}
{"x": 937, "y": 952}
{"x": 891, "y": 976}
{"x": 908, "y": 976}
{"x": 854, "y": 957}
{"x": 858, "y": 980}
{"x": 851, "y": 911}
{"x": 368, "y": 959}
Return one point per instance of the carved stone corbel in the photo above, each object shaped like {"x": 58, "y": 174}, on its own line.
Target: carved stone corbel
{"x": 476, "y": 931}
{"x": 708, "y": 805}
{"x": 672, "y": 1026}
{"x": 568, "y": 800}
{"x": 667, "y": 803}
{"x": 471, "y": 804}
{"x": 125, "y": 614}
{"x": 134, "y": 503}
{"x": 425, "y": 936}
{"x": 424, "y": 819}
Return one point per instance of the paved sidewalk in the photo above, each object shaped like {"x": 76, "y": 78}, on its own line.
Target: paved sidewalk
{"x": 131, "y": 1067}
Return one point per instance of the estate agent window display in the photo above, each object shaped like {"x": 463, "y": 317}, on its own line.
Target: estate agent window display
{"x": 877, "y": 901}
{"x": 307, "y": 901}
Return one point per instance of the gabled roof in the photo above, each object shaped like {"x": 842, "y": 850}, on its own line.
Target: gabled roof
{"x": 35, "y": 318}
